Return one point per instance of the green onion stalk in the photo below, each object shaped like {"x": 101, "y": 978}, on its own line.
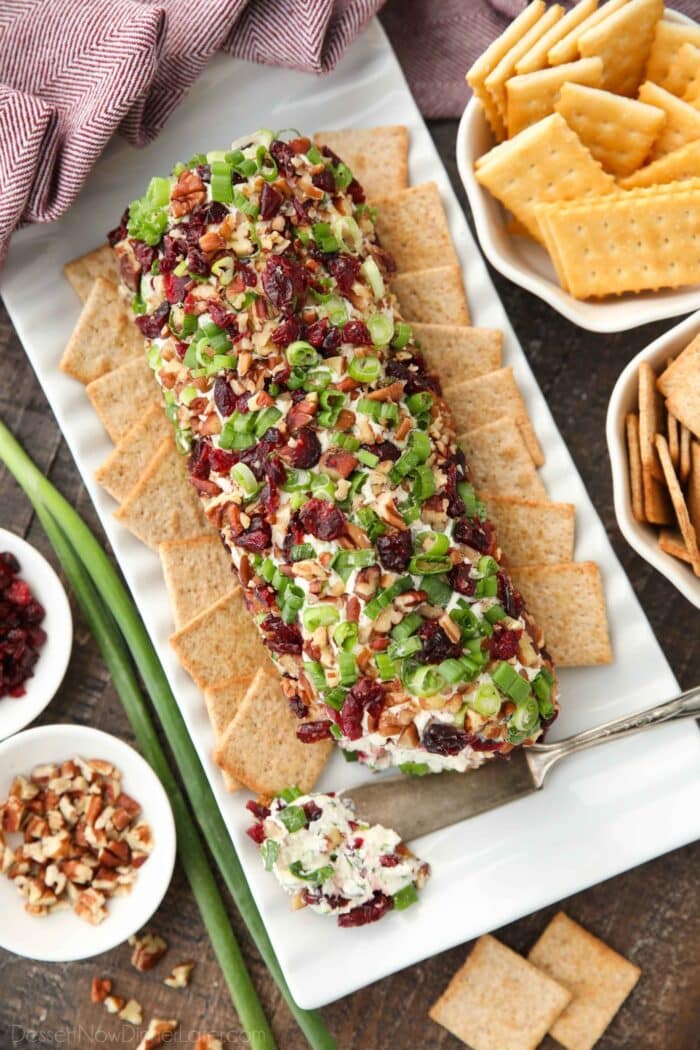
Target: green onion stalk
{"x": 65, "y": 528}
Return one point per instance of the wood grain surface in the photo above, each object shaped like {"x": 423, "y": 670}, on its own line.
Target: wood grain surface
{"x": 651, "y": 914}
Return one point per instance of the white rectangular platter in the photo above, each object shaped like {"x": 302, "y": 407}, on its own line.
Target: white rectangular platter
{"x": 603, "y": 812}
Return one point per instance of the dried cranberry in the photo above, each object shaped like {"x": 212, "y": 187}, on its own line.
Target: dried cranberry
{"x": 313, "y": 732}
{"x": 511, "y": 600}
{"x": 455, "y": 503}
{"x": 306, "y": 451}
{"x": 357, "y": 333}
{"x": 281, "y": 637}
{"x": 119, "y": 232}
{"x": 173, "y": 251}
{"x": 270, "y": 202}
{"x": 345, "y": 269}
{"x": 224, "y": 397}
{"x": 175, "y": 288}
{"x": 460, "y": 580}
{"x": 150, "y": 324}
{"x": 503, "y": 644}
{"x": 313, "y": 812}
{"x": 287, "y": 332}
{"x": 208, "y": 213}
{"x": 221, "y": 460}
{"x": 221, "y": 316}
{"x": 436, "y": 645}
{"x": 367, "y": 694}
{"x": 442, "y": 739}
{"x": 356, "y": 193}
{"x": 324, "y": 180}
{"x": 269, "y": 499}
{"x": 257, "y": 809}
{"x": 389, "y": 860}
{"x": 145, "y": 255}
{"x": 285, "y": 281}
{"x": 199, "y": 460}
{"x": 480, "y": 535}
{"x": 198, "y": 263}
{"x": 34, "y": 612}
{"x": 257, "y": 537}
{"x": 283, "y": 155}
{"x": 384, "y": 450}
{"x": 316, "y": 332}
{"x": 415, "y": 378}
{"x": 331, "y": 341}
{"x": 322, "y": 519}
{"x": 371, "y": 911}
{"x": 300, "y": 210}
{"x": 256, "y": 833}
{"x": 297, "y": 706}
{"x": 395, "y": 550}
{"x": 9, "y": 562}
{"x": 478, "y": 743}
{"x": 204, "y": 172}
{"x": 276, "y": 470}
{"x": 294, "y": 534}
{"x": 18, "y": 593}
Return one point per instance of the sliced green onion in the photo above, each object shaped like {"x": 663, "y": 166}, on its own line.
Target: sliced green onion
{"x": 495, "y": 613}
{"x": 348, "y": 233}
{"x": 452, "y": 671}
{"x": 421, "y": 679}
{"x": 402, "y": 334}
{"x": 297, "y": 479}
{"x": 473, "y": 507}
{"x": 158, "y": 191}
{"x": 269, "y": 852}
{"x": 487, "y": 700}
{"x": 346, "y": 441}
{"x": 381, "y": 329}
{"x": 433, "y": 544}
{"x": 319, "y": 616}
{"x": 426, "y": 565}
{"x": 316, "y": 674}
{"x": 224, "y": 269}
{"x": 405, "y": 897}
{"x": 408, "y": 626}
{"x": 386, "y": 666}
{"x": 423, "y": 483}
{"x": 364, "y": 369}
{"x": 345, "y": 635}
{"x": 386, "y": 597}
{"x": 343, "y": 176}
{"x": 407, "y": 461}
{"x": 302, "y": 353}
{"x": 302, "y": 551}
{"x": 222, "y": 187}
{"x": 335, "y": 698}
{"x": 289, "y": 794}
{"x": 371, "y": 523}
{"x": 509, "y": 682}
{"x": 344, "y": 562}
{"x": 368, "y": 458}
{"x": 438, "y": 590}
{"x": 487, "y": 587}
{"x": 419, "y": 402}
{"x": 487, "y": 565}
{"x": 372, "y": 274}
{"x": 415, "y": 769}
{"x": 266, "y": 419}
{"x": 347, "y": 665}
{"x": 368, "y": 407}
{"x": 526, "y": 716}
{"x": 317, "y": 877}
{"x": 314, "y": 154}
{"x": 404, "y": 647}
{"x": 419, "y": 443}
{"x": 293, "y": 818}
{"x": 244, "y": 476}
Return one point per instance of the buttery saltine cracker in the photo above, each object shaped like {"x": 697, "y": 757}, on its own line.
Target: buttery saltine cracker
{"x": 198, "y": 571}
{"x": 566, "y": 49}
{"x": 532, "y": 532}
{"x": 546, "y": 162}
{"x": 500, "y": 462}
{"x": 260, "y": 748}
{"x": 84, "y": 271}
{"x": 532, "y": 96}
{"x": 426, "y": 294}
{"x": 663, "y": 67}
{"x": 682, "y": 120}
{"x": 568, "y": 604}
{"x": 377, "y": 157}
{"x": 598, "y": 979}
{"x": 681, "y": 164}
{"x": 536, "y": 57}
{"x": 127, "y": 462}
{"x": 472, "y": 1006}
{"x": 688, "y": 71}
{"x": 679, "y": 504}
{"x": 472, "y": 403}
{"x": 456, "y": 352}
{"x": 122, "y": 397}
{"x": 104, "y": 337}
{"x": 497, "y": 79}
{"x": 623, "y": 41}
{"x": 618, "y": 131}
{"x": 412, "y": 225}
{"x": 680, "y": 385}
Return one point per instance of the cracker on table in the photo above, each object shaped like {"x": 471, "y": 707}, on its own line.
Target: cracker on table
{"x": 651, "y": 416}
{"x": 426, "y": 294}
{"x": 163, "y": 505}
{"x": 671, "y": 542}
{"x": 684, "y": 453}
{"x": 220, "y": 641}
{"x": 412, "y": 225}
{"x": 456, "y": 352}
{"x": 682, "y": 119}
{"x": 680, "y": 506}
{"x": 566, "y": 49}
{"x": 493, "y": 54}
{"x": 546, "y": 162}
{"x": 132, "y": 454}
{"x": 634, "y": 458}
{"x": 198, "y": 571}
{"x": 104, "y": 337}
{"x": 377, "y": 157}
{"x": 500, "y": 462}
{"x": 693, "y": 494}
{"x": 499, "y": 1001}
{"x": 623, "y": 41}
{"x": 495, "y": 82}
{"x": 598, "y": 978}
{"x": 261, "y": 748}
{"x": 568, "y": 604}
{"x": 679, "y": 165}
{"x": 536, "y": 57}
{"x": 663, "y": 67}
{"x": 532, "y": 532}
{"x": 680, "y": 385}
{"x": 618, "y": 131}
{"x": 532, "y": 96}
{"x": 122, "y": 397}
{"x": 84, "y": 271}
{"x": 472, "y": 402}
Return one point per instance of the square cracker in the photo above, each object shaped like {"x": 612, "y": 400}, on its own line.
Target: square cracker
{"x": 568, "y": 603}
{"x": 472, "y": 402}
{"x": 222, "y": 702}
{"x": 198, "y": 571}
{"x": 377, "y": 157}
{"x": 532, "y": 532}
{"x": 618, "y": 131}
{"x": 566, "y": 49}
{"x": 500, "y": 462}
{"x": 671, "y": 542}
{"x": 532, "y": 96}
{"x": 456, "y": 352}
{"x": 495, "y": 82}
{"x": 162, "y": 504}
{"x": 673, "y": 437}
{"x": 688, "y": 69}
{"x": 122, "y": 397}
{"x": 546, "y": 162}
{"x": 499, "y": 1001}
{"x": 598, "y": 978}
{"x": 219, "y": 640}
{"x": 536, "y": 57}
{"x": 680, "y": 385}
{"x": 425, "y": 295}
{"x": 679, "y": 504}
{"x": 493, "y": 54}
{"x": 260, "y": 747}
{"x": 682, "y": 163}
{"x": 651, "y": 419}
{"x": 684, "y": 454}
{"x": 82, "y": 272}
{"x": 694, "y": 486}
{"x": 412, "y": 225}
{"x": 104, "y": 337}
{"x": 127, "y": 462}
{"x": 623, "y": 41}
{"x": 663, "y": 67}
{"x": 682, "y": 120}
{"x": 634, "y": 458}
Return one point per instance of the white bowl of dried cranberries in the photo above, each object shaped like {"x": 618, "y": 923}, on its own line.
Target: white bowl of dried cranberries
{"x": 36, "y": 633}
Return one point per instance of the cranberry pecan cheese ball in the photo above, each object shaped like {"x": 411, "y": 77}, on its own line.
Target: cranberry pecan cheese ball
{"x": 325, "y": 455}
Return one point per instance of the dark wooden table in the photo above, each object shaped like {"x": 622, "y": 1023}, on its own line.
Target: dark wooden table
{"x": 651, "y": 914}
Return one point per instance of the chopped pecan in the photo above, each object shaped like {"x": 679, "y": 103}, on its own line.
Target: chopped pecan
{"x": 148, "y": 950}
{"x": 157, "y": 1034}
{"x": 100, "y": 989}
{"x": 132, "y": 1012}
{"x": 186, "y": 194}
{"x": 179, "y": 975}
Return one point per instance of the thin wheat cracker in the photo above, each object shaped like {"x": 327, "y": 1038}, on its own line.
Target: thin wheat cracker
{"x": 122, "y": 397}
{"x": 104, "y": 337}
{"x": 693, "y": 492}
{"x": 532, "y": 96}
{"x": 412, "y": 225}
{"x": 680, "y": 385}
{"x": 457, "y": 352}
{"x": 198, "y": 571}
{"x": 426, "y": 294}
{"x": 377, "y": 157}
{"x": 671, "y": 542}
{"x": 532, "y": 532}
{"x": 472, "y": 401}
{"x": 132, "y": 454}
{"x": 634, "y": 459}
{"x": 672, "y": 435}
{"x": 679, "y": 504}
{"x": 651, "y": 414}
{"x": 82, "y": 272}
{"x": 623, "y": 41}
{"x": 500, "y": 462}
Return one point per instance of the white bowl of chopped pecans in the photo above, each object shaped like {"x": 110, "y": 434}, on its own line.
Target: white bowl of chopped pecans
{"x": 87, "y": 842}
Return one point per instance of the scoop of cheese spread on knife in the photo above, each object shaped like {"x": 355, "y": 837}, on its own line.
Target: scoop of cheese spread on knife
{"x": 325, "y": 455}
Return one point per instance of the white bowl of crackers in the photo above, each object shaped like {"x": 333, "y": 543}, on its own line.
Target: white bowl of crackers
{"x": 653, "y": 432}
{"x": 580, "y": 156}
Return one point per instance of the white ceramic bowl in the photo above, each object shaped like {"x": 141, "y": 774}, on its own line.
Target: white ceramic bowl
{"x": 624, "y": 399}
{"x": 527, "y": 264}
{"x": 62, "y": 936}
{"x": 17, "y": 712}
